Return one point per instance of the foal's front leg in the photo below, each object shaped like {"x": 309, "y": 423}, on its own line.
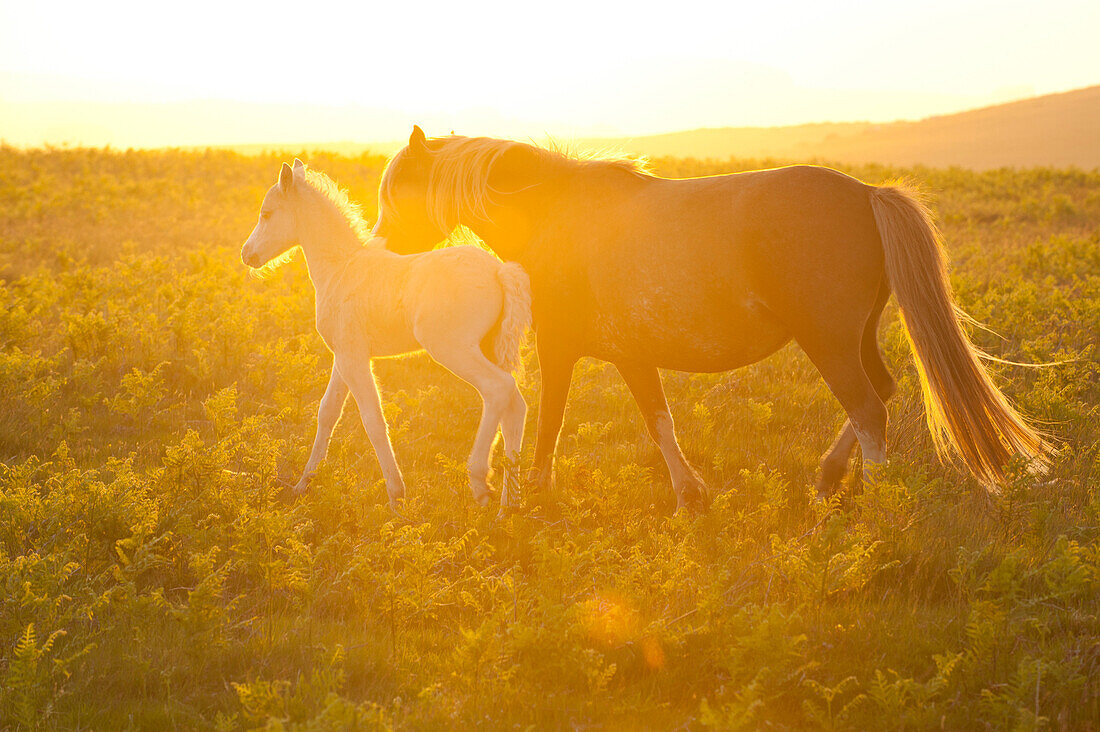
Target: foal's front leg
{"x": 328, "y": 413}
{"x": 359, "y": 377}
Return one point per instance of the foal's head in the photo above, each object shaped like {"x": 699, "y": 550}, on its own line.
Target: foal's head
{"x": 276, "y": 232}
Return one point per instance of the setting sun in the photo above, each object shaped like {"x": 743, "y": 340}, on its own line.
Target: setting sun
{"x": 207, "y": 73}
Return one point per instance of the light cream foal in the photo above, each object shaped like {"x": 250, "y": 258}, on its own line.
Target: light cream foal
{"x": 467, "y": 309}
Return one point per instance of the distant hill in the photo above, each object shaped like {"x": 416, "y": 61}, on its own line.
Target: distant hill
{"x": 1057, "y": 130}
{"x": 351, "y": 149}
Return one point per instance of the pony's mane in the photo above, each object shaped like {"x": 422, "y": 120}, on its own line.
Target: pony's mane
{"x": 458, "y": 180}
{"x": 338, "y": 198}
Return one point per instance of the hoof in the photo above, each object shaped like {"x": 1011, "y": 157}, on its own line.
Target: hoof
{"x": 694, "y": 496}
{"x": 831, "y": 478}
{"x": 505, "y": 511}
{"x": 873, "y": 474}
{"x": 302, "y": 486}
{"x": 481, "y": 491}
{"x": 483, "y": 494}
{"x": 479, "y": 486}
{"x": 396, "y": 496}
{"x": 539, "y": 480}
{"x": 826, "y": 489}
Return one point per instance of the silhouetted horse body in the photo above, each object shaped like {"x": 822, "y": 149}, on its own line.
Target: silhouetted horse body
{"x": 702, "y": 279}
{"x": 709, "y": 274}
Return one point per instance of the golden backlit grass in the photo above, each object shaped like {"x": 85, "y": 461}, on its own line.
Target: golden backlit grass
{"x": 155, "y": 401}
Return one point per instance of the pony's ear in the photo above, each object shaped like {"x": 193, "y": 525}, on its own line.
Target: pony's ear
{"x": 286, "y": 178}
{"x": 298, "y": 163}
{"x": 299, "y": 170}
{"x": 418, "y": 141}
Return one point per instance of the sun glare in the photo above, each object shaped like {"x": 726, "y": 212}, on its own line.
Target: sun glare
{"x": 339, "y": 71}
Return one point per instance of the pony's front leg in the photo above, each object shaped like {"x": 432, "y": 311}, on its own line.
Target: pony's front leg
{"x": 556, "y": 364}
{"x": 357, "y": 373}
{"x": 644, "y": 383}
{"x": 328, "y": 413}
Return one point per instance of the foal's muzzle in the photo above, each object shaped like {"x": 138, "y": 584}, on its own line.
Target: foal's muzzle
{"x": 251, "y": 259}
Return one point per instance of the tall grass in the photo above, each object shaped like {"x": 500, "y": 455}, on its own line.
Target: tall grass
{"x": 155, "y": 402}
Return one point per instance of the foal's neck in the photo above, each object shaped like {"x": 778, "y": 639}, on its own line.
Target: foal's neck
{"x": 328, "y": 240}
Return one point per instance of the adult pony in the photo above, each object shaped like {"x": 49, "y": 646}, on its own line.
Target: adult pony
{"x": 710, "y": 274}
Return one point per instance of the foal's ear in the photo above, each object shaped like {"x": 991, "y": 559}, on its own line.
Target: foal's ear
{"x": 286, "y": 178}
{"x": 418, "y": 141}
{"x": 298, "y": 164}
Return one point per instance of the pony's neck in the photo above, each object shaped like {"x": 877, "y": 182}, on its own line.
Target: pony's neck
{"x": 327, "y": 239}
{"x": 509, "y": 233}
{"x": 519, "y": 221}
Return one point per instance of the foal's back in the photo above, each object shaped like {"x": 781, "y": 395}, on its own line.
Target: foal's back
{"x": 454, "y": 295}
{"x": 405, "y": 303}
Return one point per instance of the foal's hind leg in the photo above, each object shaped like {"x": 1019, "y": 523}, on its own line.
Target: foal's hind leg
{"x": 496, "y": 387}
{"x": 834, "y": 463}
{"x": 511, "y": 427}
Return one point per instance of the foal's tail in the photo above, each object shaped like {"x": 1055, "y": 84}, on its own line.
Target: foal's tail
{"x": 964, "y": 409}
{"x": 515, "y": 318}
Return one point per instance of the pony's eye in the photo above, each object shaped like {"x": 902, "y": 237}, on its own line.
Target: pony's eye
{"x": 265, "y": 215}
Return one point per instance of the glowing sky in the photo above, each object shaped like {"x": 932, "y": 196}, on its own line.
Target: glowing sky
{"x": 504, "y": 67}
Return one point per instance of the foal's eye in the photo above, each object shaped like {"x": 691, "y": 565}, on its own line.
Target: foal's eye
{"x": 265, "y": 215}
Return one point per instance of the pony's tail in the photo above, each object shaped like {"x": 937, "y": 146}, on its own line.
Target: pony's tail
{"x": 515, "y": 318}
{"x": 965, "y": 411}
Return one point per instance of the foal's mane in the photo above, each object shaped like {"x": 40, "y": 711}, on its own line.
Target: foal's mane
{"x": 458, "y": 179}
{"x": 337, "y": 197}
{"x": 331, "y": 195}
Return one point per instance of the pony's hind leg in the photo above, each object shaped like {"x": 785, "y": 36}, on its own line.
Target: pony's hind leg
{"x": 834, "y": 463}
{"x": 841, "y": 364}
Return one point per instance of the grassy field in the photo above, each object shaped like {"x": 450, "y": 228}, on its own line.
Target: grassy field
{"x": 155, "y": 402}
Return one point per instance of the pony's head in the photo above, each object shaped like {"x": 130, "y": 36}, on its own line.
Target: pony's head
{"x": 276, "y": 232}
{"x": 404, "y": 220}
{"x": 433, "y": 186}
